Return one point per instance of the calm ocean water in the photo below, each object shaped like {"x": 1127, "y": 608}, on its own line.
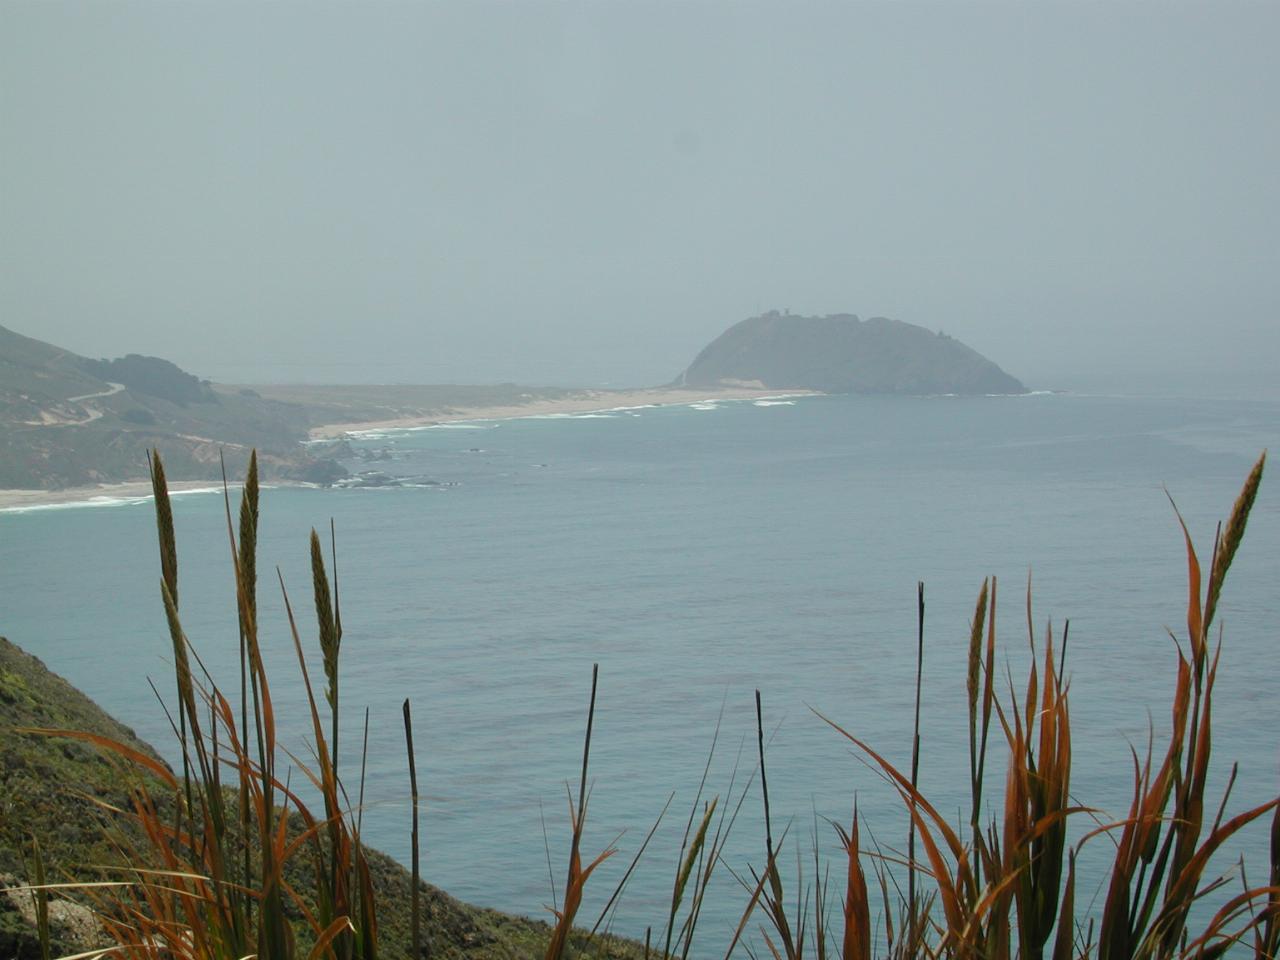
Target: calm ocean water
{"x": 698, "y": 553}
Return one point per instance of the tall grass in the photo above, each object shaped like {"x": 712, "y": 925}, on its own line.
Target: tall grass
{"x": 233, "y": 857}
{"x": 234, "y": 862}
{"x": 1009, "y": 889}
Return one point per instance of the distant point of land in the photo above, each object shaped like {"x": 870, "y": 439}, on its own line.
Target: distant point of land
{"x": 841, "y": 354}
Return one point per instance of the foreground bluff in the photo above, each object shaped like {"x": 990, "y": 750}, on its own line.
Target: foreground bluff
{"x": 842, "y": 354}
{"x": 58, "y": 790}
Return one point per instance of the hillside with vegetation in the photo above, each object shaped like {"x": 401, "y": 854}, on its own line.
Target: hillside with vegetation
{"x": 70, "y": 421}
{"x": 58, "y": 792}
{"x": 842, "y": 354}
{"x": 67, "y": 420}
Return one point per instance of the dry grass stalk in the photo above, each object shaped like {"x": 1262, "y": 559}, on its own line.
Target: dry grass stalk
{"x": 1225, "y": 551}
{"x": 415, "y": 933}
{"x": 857, "y": 911}
{"x": 179, "y": 897}
{"x": 775, "y": 904}
{"x": 576, "y": 882}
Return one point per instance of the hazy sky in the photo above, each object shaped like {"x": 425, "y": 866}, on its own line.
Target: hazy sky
{"x": 1089, "y": 193}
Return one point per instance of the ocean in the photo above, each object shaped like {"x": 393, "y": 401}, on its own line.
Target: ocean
{"x": 697, "y": 554}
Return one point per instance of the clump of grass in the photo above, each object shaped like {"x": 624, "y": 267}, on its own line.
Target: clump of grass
{"x": 1010, "y": 890}
{"x": 211, "y": 879}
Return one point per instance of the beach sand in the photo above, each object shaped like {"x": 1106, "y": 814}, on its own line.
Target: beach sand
{"x": 586, "y": 401}
{"x": 103, "y": 493}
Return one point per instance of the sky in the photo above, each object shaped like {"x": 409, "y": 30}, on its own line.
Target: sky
{"x": 587, "y": 193}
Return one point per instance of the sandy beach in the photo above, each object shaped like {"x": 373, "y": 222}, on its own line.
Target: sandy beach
{"x": 586, "y": 401}
{"x": 103, "y": 493}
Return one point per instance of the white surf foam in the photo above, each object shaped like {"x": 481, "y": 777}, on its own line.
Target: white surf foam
{"x": 571, "y": 416}
{"x": 231, "y": 487}
{"x": 638, "y": 406}
{"x": 105, "y": 500}
{"x": 75, "y": 504}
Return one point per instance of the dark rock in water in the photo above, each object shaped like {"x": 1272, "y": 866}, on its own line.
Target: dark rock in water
{"x": 331, "y": 449}
{"x": 325, "y": 472}
{"x": 374, "y": 479}
{"x": 842, "y": 354}
{"x": 370, "y": 478}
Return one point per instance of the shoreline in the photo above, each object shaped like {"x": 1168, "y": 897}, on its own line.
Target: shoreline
{"x": 102, "y": 494}
{"x": 586, "y": 401}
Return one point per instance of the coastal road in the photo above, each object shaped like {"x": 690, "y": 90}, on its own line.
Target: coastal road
{"x": 115, "y": 388}
{"x": 92, "y": 413}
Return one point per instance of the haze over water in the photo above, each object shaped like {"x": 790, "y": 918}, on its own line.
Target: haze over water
{"x": 587, "y": 193}
{"x": 698, "y": 553}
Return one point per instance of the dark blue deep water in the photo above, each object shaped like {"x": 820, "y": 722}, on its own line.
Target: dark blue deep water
{"x": 698, "y": 553}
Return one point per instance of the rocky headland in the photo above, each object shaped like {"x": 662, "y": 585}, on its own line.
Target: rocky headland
{"x": 841, "y": 354}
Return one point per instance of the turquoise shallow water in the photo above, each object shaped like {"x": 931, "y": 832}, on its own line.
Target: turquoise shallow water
{"x": 696, "y": 554}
